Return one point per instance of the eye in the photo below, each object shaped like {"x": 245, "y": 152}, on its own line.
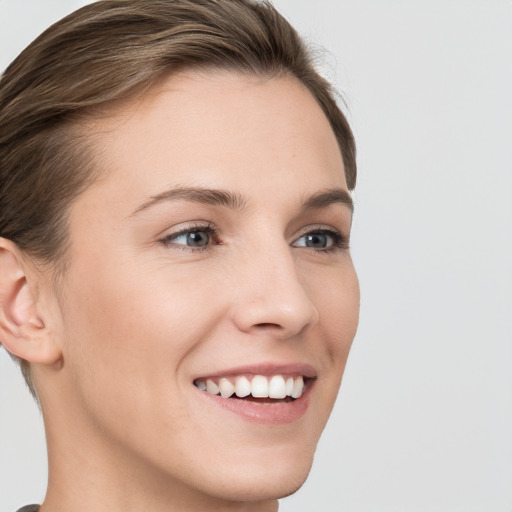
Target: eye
{"x": 325, "y": 240}
{"x": 192, "y": 239}
{"x": 197, "y": 237}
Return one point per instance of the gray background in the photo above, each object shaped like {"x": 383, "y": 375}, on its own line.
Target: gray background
{"x": 424, "y": 418}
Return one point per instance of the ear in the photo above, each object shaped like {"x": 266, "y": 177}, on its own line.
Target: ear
{"x": 22, "y": 329}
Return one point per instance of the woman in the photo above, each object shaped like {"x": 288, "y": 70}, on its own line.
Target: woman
{"x": 175, "y": 277}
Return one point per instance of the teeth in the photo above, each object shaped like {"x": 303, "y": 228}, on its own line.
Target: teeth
{"x": 226, "y": 388}
{"x": 211, "y": 387}
{"x": 242, "y": 387}
{"x": 289, "y": 386}
{"x": 298, "y": 387}
{"x": 259, "y": 387}
{"x": 277, "y": 387}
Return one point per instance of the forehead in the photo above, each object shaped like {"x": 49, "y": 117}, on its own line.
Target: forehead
{"x": 221, "y": 130}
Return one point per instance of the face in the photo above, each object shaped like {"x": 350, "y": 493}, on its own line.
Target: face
{"x": 213, "y": 253}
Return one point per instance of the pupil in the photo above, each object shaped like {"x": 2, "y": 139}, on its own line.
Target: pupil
{"x": 316, "y": 241}
{"x": 198, "y": 239}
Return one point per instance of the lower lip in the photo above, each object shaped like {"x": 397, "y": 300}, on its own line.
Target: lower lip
{"x": 264, "y": 413}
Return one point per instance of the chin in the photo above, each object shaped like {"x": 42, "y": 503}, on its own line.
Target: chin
{"x": 263, "y": 488}
{"x": 271, "y": 479}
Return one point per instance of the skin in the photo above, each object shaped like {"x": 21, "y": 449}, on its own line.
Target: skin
{"x": 137, "y": 318}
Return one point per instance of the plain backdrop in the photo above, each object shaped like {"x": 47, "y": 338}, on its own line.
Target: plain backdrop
{"x": 423, "y": 422}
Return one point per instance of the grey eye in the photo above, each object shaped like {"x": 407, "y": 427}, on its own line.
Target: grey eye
{"x": 195, "y": 237}
{"x": 192, "y": 239}
{"x": 314, "y": 240}
{"x": 317, "y": 241}
{"x": 198, "y": 239}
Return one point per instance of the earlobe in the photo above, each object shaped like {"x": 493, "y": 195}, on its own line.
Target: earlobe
{"x": 22, "y": 331}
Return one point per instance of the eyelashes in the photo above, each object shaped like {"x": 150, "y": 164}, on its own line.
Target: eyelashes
{"x": 201, "y": 237}
{"x": 196, "y": 237}
{"x": 324, "y": 239}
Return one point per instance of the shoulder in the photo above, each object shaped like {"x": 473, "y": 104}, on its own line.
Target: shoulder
{"x": 29, "y": 508}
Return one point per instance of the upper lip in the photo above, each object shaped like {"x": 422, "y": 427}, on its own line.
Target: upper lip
{"x": 304, "y": 369}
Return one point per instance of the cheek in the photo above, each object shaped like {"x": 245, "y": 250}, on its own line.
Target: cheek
{"x": 134, "y": 329}
{"x": 345, "y": 310}
{"x": 336, "y": 296}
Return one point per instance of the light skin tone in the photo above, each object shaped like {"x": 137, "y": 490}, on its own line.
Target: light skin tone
{"x": 262, "y": 277}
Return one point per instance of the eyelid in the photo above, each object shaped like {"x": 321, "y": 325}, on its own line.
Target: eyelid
{"x": 203, "y": 226}
{"x": 316, "y": 228}
{"x": 340, "y": 241}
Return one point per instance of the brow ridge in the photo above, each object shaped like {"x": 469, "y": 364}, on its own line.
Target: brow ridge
{"x": 235, "y": 201}
{"x": 214, "y": 197}
{"x": 325, "y": 198}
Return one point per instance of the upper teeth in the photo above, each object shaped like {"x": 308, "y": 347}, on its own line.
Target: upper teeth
{"x": 259, "y": 386}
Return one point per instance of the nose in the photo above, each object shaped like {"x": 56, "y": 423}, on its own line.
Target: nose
{"x": 271, "y": 299}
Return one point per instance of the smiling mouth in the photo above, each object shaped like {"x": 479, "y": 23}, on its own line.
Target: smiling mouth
{"x": 257, "y": 388}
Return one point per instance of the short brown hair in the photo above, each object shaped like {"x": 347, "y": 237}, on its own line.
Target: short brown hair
{"x": 111, "y": 50}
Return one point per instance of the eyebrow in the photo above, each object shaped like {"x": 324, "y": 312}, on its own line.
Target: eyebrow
{"x": 235, "y": 201}
{"x": 214, "y": 197}
{"x": 327, "y": 197}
